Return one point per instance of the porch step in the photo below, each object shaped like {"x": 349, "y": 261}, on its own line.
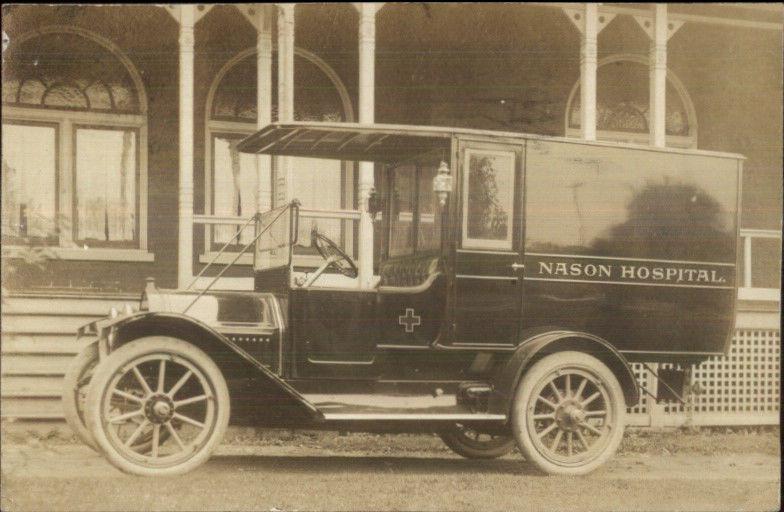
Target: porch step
{"x": 37, "y": 323}
{"x": 29, "y": 408}
{"x": 66, "y": 306}
{"x": 39, "y": 386}
{"x": 35, "y": 364}
{"x": 38, "y": 342}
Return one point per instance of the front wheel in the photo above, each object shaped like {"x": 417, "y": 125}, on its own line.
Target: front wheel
{"x": 172, "y": 392}
{"x": 75, "y": 385}
{"x": 474, "y": 444}
{"x": 568, "y": 414}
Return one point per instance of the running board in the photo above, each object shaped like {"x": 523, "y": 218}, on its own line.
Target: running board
{"x": 412, "y": 417}
{"x": 391, "y": 406}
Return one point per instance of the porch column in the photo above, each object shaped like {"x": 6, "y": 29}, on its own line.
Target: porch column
{"x": 263, "y": 101}
{"x": 283, "y": 177}
{"x": 588, "y": 59}
{"x": 658, "y": 76}
{"x": 367, "y": 99}
{"x": 187, "y": 14}
{"x": 658, "y": 29}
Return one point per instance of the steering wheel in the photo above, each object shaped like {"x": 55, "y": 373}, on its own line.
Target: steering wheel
{"x": 334, "y": 255}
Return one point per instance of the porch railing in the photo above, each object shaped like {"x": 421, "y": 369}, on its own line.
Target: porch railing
{"x": 345, "y": 216}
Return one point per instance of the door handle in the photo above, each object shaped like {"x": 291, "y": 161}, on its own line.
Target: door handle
{"x": 517, "y": 266}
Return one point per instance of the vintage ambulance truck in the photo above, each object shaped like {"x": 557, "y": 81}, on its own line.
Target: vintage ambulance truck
{"x": 520, "y": 276}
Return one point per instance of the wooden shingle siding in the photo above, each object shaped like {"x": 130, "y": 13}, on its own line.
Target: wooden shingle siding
{"x": 38, "y": 342}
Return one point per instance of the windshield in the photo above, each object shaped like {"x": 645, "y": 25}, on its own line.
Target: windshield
{"x": 277, "y": 232}
{"x": 414, "y": 225}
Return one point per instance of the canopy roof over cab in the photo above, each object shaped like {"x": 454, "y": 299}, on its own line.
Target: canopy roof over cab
{"x": 390, "y": 142}
{"x": 348, "y": 141}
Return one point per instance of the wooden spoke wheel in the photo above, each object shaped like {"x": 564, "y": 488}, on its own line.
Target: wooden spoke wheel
{"x": 163, "y": 389}
{"x": 568, "y": 413}
{"x": 475, "y": 444}
{"x": 76, "y": 383}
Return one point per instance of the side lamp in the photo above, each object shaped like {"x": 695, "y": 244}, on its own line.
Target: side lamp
{"x": 442, "y": 183}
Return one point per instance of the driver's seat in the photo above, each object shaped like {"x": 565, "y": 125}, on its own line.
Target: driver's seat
{"x": 415, "y": 273}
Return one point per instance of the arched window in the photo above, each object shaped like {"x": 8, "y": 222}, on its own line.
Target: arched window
{"x": 622, "y": 104}
{"x": 232, "y": 186}
{"x": 74, "y": 144}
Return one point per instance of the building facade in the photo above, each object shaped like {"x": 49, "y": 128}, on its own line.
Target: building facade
{"x": 120, "y": 125}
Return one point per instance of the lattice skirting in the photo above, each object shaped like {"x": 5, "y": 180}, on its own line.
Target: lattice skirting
{"x": 739, "y": 389}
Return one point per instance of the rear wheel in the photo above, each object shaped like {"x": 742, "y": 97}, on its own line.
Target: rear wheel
{"x": 173, "y": 392}
{"x": 568, "y": 414}
{"x": 474, "y": 444}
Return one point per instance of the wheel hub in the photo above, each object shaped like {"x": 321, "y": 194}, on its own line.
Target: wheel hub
{"x": 159, "y": 409}
{"x": 569, "y": 415}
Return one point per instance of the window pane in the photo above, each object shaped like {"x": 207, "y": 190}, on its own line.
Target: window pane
{"x": 105, "y": 185}
{"x": 429, "y": 215}
{"x": 401, "y": 236}
{"x": 28, "y": 181}
{"x": 765, "y": 263}
{"x": 235, "y": 187}
{"x": 488, "y": 204}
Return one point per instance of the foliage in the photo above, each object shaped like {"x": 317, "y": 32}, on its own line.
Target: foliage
{"x": 28, "y": 255}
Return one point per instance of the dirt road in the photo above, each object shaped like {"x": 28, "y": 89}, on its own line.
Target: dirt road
{"x": 41, "y": 476}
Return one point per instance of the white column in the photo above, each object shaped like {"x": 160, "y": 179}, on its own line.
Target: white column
{"x": 658, "y": 76}
{"x": 588, "y": 59}
{"x": 283, "y": 172}
{"x": 185, "y": 239}
{"x": 263, "y": 102}
{"x": 367, "y": 99}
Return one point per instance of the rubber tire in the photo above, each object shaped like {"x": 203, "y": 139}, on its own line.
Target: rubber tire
{"x": 138, "y": 348}
{"x": 74, "y": 415}
{"x": 454, "y": 440}
{"x": 538, "y": 371}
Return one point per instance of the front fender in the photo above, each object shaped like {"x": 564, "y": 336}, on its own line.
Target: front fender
{"x": 541, "y": 343}
{"x": 229, "y": 356}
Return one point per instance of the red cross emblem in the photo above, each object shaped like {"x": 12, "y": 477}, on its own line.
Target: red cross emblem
{"x": 409, "y": 320}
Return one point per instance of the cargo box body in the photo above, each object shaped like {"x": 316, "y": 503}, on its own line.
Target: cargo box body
{"x": 634, "y": 244}
{"x": 638, "y": 246}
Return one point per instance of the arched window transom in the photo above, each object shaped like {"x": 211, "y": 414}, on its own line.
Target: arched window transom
{"x": 61, "y": 70}
{"x": 622, "y": 104}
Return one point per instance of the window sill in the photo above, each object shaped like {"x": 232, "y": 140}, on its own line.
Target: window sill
{"x": 300, "y": 260}
{"x": 226, "y": 258}
{"x": 96, "y": 254}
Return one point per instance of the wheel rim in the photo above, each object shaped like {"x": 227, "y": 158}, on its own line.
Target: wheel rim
{"x": 570, "y": 416}
{"x": 479, "y": 440}
{"x": 175, "y": 410}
